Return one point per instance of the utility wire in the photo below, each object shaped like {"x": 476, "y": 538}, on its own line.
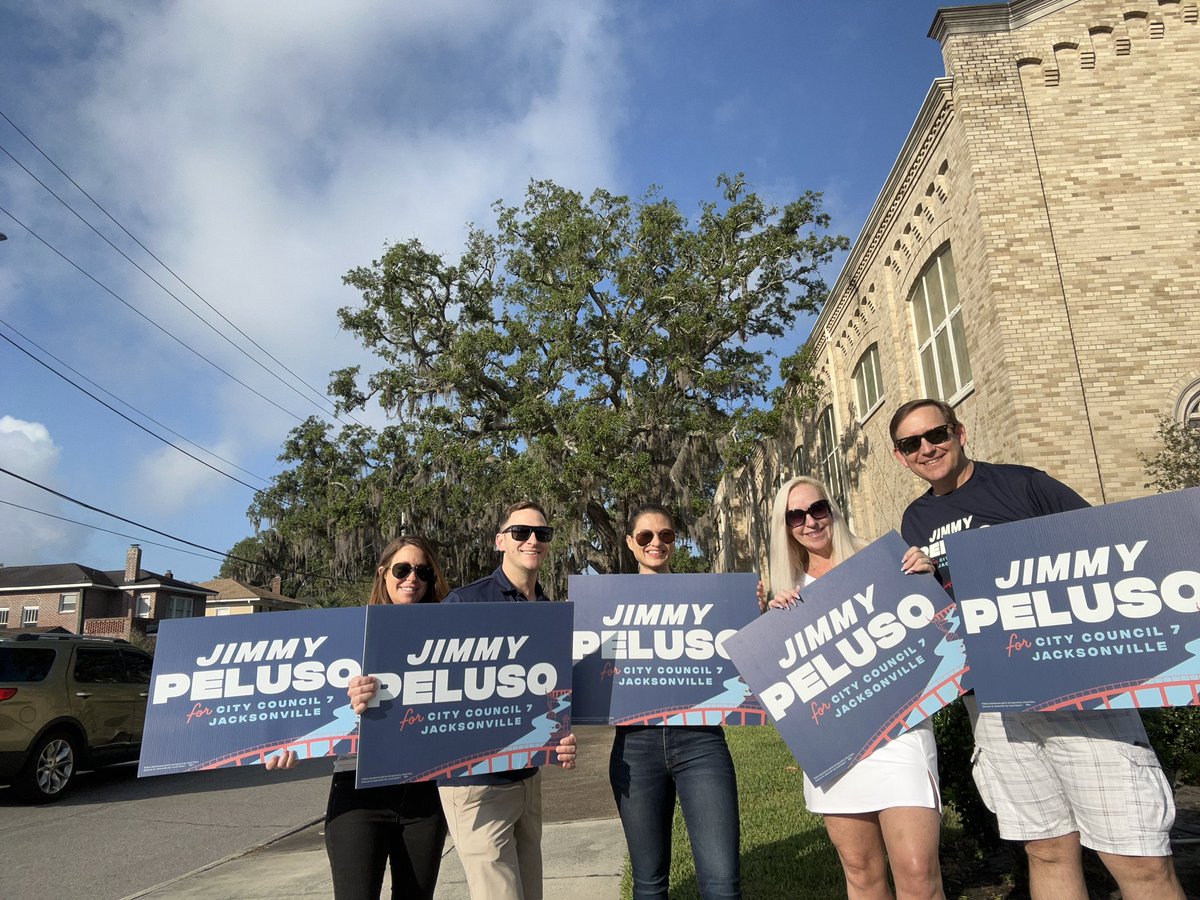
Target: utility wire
{"x": 126, "y": 303}
{"x": 136, "y": 424}
{"x": 132, "y": 537}
{"x": 127, "y": 404}
{"x": 167, "y": 290}
{"x": 165, "y": 534}
{"x": 152, "y": 255}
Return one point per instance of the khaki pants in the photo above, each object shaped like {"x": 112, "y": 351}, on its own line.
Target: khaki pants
{"x": 497, "y": 831}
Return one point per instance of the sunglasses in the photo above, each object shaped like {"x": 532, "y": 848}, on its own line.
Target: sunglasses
{"x": 819, "y": 510}
{"x": 643, "y": 538}
{"x": 400, "y": 571}
{"x": 521, "y": 533}
{"x": 939, "y": 435}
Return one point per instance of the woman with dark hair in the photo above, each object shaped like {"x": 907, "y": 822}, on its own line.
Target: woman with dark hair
{"x": 401, "y": 823}
{"x": 885, "y": 809}
{"x": 651, "y": 764}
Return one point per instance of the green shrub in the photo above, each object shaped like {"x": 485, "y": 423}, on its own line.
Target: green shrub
{"x": 1174, "y": 734}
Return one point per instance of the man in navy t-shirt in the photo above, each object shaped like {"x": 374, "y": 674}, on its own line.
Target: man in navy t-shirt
{"x": 1055, "y": 780}
{"x": 496, "y": 819}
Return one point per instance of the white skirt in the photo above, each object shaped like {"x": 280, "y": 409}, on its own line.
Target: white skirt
{"x": 902, "y": 772}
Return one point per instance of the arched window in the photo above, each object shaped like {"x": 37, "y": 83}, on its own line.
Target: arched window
{"x": 868, "y": 386}
{"x": 1191, "y": 412}
{"x": 828, "y": 461}
{"x": 942, "y": 343}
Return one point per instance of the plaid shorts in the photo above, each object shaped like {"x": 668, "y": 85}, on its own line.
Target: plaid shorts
{"x": 1047, "y": 774}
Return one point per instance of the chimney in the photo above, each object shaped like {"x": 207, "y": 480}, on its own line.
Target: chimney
{"x": 133, "y": 563}
{"x": 276, "y": 584}
{"x": 168, "y": 574}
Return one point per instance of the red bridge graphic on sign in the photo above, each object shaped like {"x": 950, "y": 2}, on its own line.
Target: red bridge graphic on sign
{"x": 1137, "y": 694}
{"x": 945, "y": 691}
{"x": 730, "y": 715}
{"x": 514, "y": 757}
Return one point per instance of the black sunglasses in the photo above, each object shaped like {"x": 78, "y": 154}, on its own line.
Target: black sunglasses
{"x": 643, "y": 538}
{"x": 819, "y": 510}
{"x": 521, "y": 533}
{"x": 400, "y": 571}
{"x": 939, "y": 435}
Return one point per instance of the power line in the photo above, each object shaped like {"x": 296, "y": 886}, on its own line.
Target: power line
{"x": 158, "y": 283}
{"x": 165, "y": 534}
{"x": 132, "y": 537}
{"x": 129, "y": 405}
{"x": 113, "y": 409}
{"x": 126, "y": 303}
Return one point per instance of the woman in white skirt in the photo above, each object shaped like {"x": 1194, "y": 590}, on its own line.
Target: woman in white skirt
{"x": 887, "y": 808}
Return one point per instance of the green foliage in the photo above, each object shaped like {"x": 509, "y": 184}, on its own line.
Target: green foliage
{"x": 785, "y": 849}
{"x": 593, "y": 353}
{"x": 1174, "y": 734}
{"x": 955, "y": 746}
{"x": 1177, "y": 465}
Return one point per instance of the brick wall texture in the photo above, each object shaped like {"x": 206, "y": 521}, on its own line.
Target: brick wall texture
{"x": 1060, "y": 161}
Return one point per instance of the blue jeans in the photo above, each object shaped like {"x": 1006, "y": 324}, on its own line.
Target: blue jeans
{"x": 649, "y": 765}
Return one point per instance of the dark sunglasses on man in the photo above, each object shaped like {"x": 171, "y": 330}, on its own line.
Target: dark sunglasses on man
{"x": 521, "y": 533}
{"x": 400, "y": 571}
{"x": 819, "y": 510}
{"x": 940, "y": 435}
{"x": 643, "y": 538}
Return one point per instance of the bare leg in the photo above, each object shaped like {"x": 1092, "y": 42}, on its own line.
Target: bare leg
{"x": 1144, "y": 877}
{"x": 859, "y": 843}
{"x": 911, "y": 835}
{"x": 1055, "y": 868}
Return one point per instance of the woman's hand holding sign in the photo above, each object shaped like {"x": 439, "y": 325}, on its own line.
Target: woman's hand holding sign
{"x": 916, "y": 560}
{"x": 360, "y": 691}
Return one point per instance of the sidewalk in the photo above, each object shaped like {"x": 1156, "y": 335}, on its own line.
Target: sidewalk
{"x": 583, "y": 847}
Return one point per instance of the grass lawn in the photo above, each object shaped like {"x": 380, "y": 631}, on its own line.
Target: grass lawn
{"x": 785, "y": 850}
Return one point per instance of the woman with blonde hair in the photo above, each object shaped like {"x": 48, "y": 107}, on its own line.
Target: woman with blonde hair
{"x": 886, "y": 808}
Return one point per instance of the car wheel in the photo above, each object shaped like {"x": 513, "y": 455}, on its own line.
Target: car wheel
{"x": 50, "y": 768}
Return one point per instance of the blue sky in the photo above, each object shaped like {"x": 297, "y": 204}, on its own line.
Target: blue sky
{"x": 262, "y": 150}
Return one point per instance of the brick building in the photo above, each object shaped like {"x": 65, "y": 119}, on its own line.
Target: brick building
{"x": 83, "y": 600}
{"x": 1033, "y": 258}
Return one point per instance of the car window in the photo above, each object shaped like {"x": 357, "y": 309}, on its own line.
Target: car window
{"x": 137, "y": 666}
{"x": 25, "y": 663}
{"x": 99, "y": 665}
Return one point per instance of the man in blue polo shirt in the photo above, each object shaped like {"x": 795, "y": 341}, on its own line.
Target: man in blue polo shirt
{"x": 496, "y": 819}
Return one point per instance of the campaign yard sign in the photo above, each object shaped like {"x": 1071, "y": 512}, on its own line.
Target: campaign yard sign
{"x": 867, "y": 654}
{"x": 1089, "y": 609}
{"x": 232, "y": 690}
{"x": 649, "y": 650}
{"x": 465, "y": 689}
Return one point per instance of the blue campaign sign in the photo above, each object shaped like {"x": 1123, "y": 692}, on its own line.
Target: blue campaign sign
{"x": 1090, "y": 609}
{"x": 465, "y": 689}
{"x": 649, "y": 650}
{"x": 231, "y": 690}
{"x": 868, "y": 654}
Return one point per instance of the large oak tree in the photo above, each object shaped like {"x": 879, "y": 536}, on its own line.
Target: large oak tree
{"x": 591, "y": 352}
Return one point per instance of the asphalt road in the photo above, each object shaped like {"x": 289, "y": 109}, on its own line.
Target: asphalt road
{"x": 115, "y": 834}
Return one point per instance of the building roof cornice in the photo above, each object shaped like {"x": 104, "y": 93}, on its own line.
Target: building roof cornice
{"x": 931, "y": 122}
{"x": 991, "y": 17}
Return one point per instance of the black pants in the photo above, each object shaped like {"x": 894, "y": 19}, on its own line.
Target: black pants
{"x": 364, "y": 829}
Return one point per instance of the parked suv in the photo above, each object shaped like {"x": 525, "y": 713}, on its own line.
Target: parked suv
{"x": 68, "y": 702}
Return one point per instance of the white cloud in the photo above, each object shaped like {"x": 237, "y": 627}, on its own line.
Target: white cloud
{"x": 27, "y": 538}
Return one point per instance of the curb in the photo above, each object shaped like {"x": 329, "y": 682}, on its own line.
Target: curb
{"x": 296, "y": 829}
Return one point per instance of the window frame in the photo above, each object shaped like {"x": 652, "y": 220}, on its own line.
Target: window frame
{"x": 4, "y": 616}
{"x": 70, "y": 605}
{"x": 828, "y": 465}
{"x": 946, "y": 336}
{"x": 867, "y": 409}
{"x": 28, "y": 621}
